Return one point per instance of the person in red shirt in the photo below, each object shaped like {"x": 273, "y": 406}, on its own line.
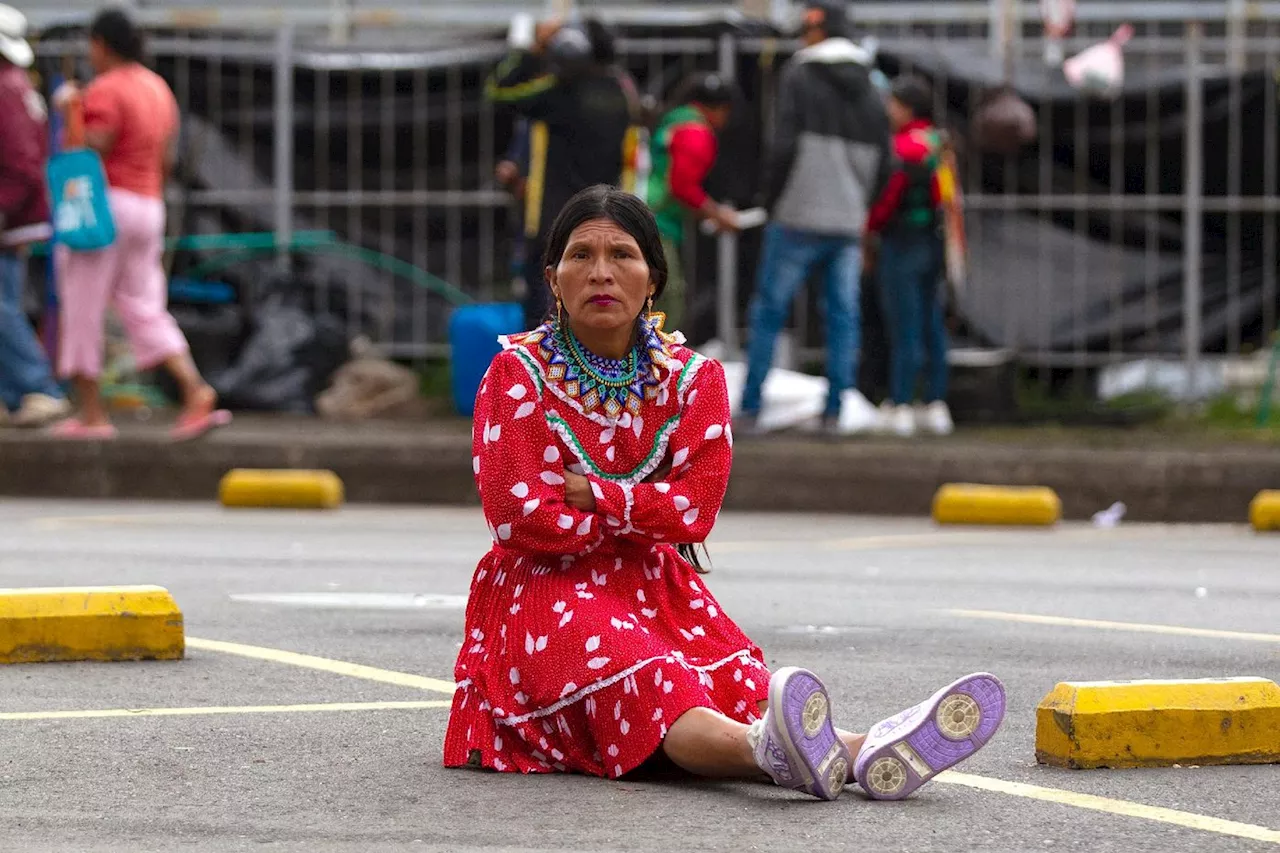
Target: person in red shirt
{"x": 683, "y": 150}
{"x": 131, "y": 119}
{"x": 27, "y": 389}
{"x": 907, "y": 220}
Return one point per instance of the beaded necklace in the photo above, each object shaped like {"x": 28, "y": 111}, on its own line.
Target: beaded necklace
{"x": 612, "y": 386}
{"x": 610, "y": 372}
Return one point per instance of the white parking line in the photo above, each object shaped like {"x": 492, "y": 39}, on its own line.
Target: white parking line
{"x": 1136, "y": 627}
{"x": 230, "y": 709}
{"x": 1190, "y": 820}
{"x": 354, "y": 670}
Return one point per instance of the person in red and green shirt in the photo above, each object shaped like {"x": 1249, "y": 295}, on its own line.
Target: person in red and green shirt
{"x": 907, "y": 220}
{"x": 682, "y": 150}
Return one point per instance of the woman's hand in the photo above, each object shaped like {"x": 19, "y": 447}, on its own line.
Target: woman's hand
{"x": 65, "y": 95}
{"x": 661, "y": 474}
{"x": 577, "y": 492}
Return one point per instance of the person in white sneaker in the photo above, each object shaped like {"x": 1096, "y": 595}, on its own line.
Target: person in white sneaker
{"x": 907, "y": 219}
{"x": 29, "y": 396}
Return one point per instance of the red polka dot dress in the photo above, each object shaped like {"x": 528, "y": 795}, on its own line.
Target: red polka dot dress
{"x": 587, "y": 635}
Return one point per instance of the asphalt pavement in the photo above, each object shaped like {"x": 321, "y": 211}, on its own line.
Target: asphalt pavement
{"x": 263, "y": 753}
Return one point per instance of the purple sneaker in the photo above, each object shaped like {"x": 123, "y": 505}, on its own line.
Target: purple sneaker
{"x": 910, "y": 748}
{"x": 796, "y": 743}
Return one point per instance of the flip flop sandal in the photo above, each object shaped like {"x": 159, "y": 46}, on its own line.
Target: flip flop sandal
{"x": 73, "y": 430}
{"x": 188, "y": 428}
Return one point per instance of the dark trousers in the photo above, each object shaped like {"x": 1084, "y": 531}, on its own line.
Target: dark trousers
{"x": 538, "y": 304}
{"x": 910, "y": 269}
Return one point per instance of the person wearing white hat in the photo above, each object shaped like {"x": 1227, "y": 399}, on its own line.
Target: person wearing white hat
{"x": 14, "y": 46}
{"x": 27, "y": 387}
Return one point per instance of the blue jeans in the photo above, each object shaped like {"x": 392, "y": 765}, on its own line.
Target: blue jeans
{"x": 786, "y": 259}
{"x": 910, "y": 271}
{"x": 24, "y": 368}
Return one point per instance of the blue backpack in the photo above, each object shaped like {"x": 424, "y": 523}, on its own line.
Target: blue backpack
{"x": 81, "y": 214}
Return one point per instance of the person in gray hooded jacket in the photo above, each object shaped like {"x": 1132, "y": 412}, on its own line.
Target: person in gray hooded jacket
{"x": 829, "y": 158}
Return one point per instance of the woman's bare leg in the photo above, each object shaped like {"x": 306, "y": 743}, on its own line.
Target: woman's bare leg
{"x": 707, "y": 743}
{"x": 89, "y": 401}
{"x": 198, "y": 398}
{"x": 851, "y": 741}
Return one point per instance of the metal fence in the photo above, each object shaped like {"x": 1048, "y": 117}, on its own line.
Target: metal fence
{"x": 1145, "y": 225}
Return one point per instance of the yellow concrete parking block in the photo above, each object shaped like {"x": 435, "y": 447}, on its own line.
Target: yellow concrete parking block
{"x": 89, "y": 623}
{"x": 1159, "y": 723}
{"x": 283, "y": 489}
{"x": 966, "y": 503}
{"x": 1264, "y": 511}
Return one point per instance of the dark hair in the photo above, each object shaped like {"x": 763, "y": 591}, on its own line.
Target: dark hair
{"x": 622, "y": 209}
{"x": 603, "y": 45}
{"x": 835, "y": 17}
{"x": 633, "y": 216}
{"x": 708, "y": 89}
{"x": 114, "y": 29}
{"x": 915, "y": 94}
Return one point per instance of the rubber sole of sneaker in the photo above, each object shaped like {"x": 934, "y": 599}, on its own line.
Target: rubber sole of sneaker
{"x": 960, "y": 720}
{"x": 801, "y": 710}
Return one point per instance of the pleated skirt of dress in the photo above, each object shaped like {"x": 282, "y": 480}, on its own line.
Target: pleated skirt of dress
{"x": 583, "y": 668}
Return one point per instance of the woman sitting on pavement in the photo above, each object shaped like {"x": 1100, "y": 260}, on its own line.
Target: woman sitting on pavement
{"x": 602, "y": 449}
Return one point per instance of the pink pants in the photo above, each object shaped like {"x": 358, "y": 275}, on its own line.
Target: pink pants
{"x": 127, "y": 275}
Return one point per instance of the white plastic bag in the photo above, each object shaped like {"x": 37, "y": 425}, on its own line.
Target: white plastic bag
{"x": 1099, "y": 70}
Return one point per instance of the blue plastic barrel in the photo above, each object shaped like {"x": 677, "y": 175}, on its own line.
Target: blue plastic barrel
{"x": 473, "y": 342}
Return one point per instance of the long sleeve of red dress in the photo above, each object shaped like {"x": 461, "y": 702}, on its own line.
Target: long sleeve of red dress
{"x": 587, "y": 634}
{"x": 519, "y": 470}
{"x": 682, "y": 507}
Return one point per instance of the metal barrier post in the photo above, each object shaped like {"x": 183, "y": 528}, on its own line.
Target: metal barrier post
{"x": 339, "y": 21}
{"x": 1000, "y": 29}
{"x": 727, "y": 244}
{"x": 1193, "y": 213}
{"x": 283, "y": 106}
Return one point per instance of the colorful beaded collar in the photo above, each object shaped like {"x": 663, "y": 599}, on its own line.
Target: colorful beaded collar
{"x": 603, "y": 385}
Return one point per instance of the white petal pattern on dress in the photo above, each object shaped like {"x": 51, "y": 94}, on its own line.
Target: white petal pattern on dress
{"x": 625, "y": 587}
